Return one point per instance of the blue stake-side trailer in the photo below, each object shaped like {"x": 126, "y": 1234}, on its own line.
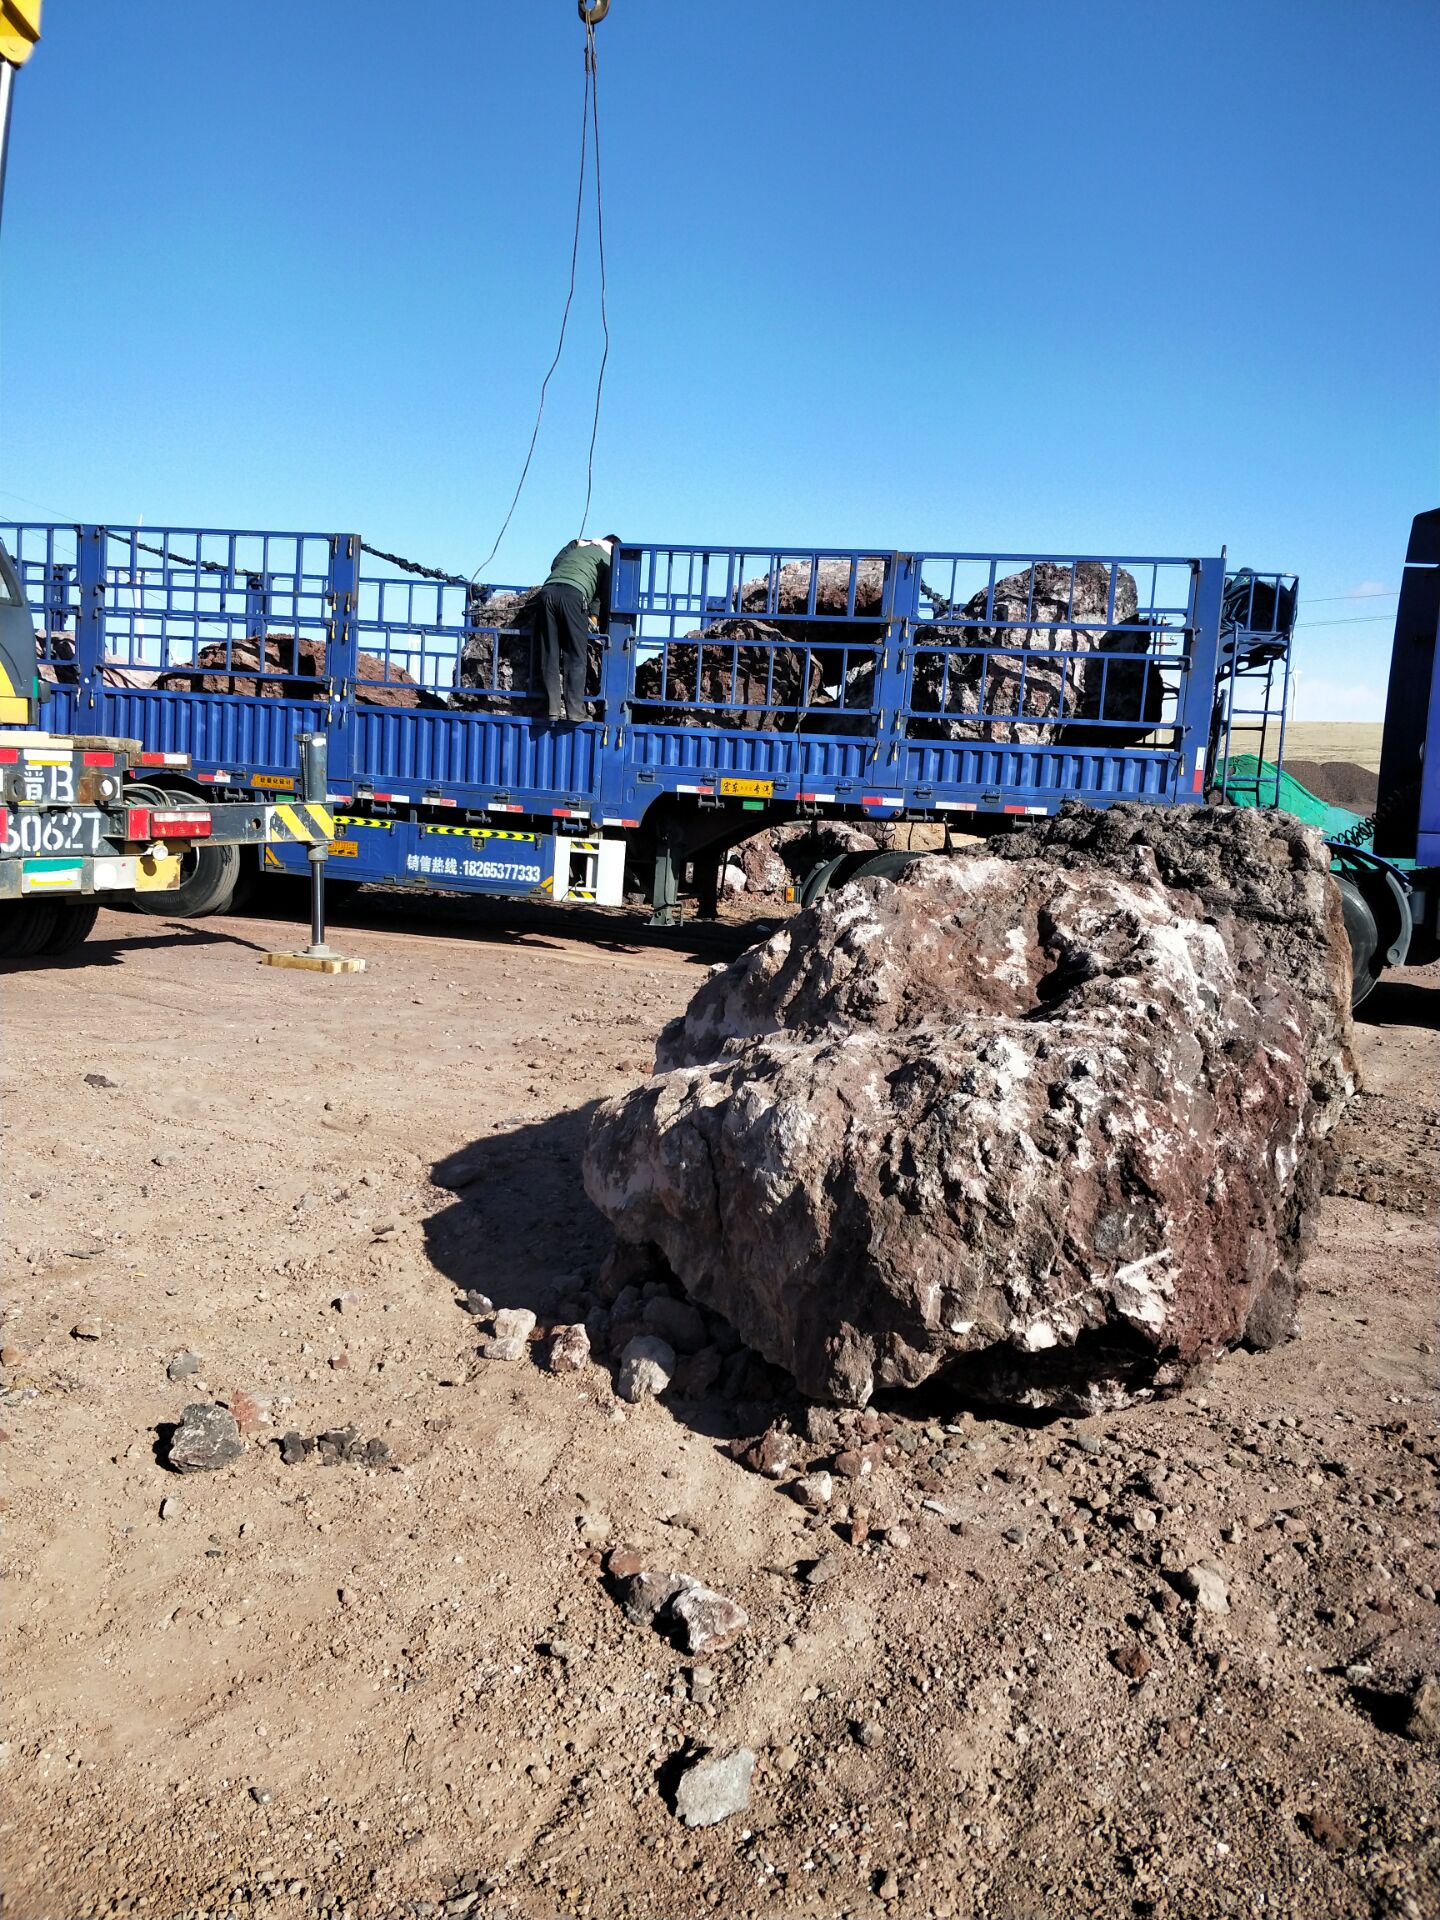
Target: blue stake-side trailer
{"x": 730, "y": 688}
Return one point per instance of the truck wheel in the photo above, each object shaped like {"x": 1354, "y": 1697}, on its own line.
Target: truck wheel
{"x": 1366, "y": 946}
{"x": 74, "y": 923}
{"x": 207, "y": 883}
{"x": 886, "y": 866}
{"x": 25, "y": 926}
{"x": 845, "y": 867}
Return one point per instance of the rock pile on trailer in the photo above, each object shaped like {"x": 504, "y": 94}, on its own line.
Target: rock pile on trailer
{"x": 1037, "y": 620}
{"x": 772, "y": 663}
{"x": 301, "y": 662}
{"x": 1046, "y": 1118}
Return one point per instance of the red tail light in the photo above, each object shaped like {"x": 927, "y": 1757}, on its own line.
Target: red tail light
{"x": 181, "y": 823}
{"x": 168, "y": 823}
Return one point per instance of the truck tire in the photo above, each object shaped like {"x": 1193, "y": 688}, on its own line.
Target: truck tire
{"x": 208, "y": 876}
{"x": 25, "y": 926}
{"x": 74, "y": 923}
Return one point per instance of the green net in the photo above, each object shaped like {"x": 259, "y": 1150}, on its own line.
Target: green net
{"x": 1250, "y": 782}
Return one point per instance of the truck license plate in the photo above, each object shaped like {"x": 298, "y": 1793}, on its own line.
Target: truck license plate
{"x": 74, "y": 830}
{"x": 737, "y": 789}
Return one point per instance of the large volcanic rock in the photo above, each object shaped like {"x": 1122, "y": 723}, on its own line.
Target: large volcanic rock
{"x": 1047, "y": 1117}
{"x": 302, "y": 660}
{"x": 1037, "y": 619}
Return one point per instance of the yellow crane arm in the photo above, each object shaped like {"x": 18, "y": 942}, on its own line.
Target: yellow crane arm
{"x": 19, "y": 30}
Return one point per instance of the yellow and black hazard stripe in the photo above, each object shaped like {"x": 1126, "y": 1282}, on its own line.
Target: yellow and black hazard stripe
{"x": 364, "y": 820}
{"x": 484, "y": 833}
{"x": 304, "y": 821}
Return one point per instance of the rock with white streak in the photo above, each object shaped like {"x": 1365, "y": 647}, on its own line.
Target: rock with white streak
{"x": 1047, "y": 1118}
{"x": 708, "y": 1622}
{"x": 570, "y": 1349}
{"x": 701, "y": 1620}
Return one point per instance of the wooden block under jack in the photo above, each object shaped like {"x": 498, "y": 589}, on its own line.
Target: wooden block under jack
{"x": 313, "y": 962}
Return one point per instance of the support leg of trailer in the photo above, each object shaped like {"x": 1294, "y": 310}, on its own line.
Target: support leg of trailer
{"x": 665, "y": 891}
{"x": 707, "y": 883}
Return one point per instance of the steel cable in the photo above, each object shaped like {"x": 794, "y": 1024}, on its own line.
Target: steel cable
{"x": 569, "y": 299}
{"x": 594, "y": 70}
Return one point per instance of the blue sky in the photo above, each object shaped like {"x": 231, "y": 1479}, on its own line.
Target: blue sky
{"x": 1105, "y": 278}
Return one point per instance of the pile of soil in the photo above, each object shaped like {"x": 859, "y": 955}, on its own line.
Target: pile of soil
{"x": 1339, "y": 783}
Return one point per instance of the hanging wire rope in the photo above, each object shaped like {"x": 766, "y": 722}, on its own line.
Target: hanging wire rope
{"x": 594, "y": 69}
{"x": 590, "y": 17}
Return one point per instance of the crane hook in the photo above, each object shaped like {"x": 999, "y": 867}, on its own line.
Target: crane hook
{"x": 592, "y": 12}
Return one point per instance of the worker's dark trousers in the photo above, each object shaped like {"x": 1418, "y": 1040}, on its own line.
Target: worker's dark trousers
{"x": 563, "y": 627}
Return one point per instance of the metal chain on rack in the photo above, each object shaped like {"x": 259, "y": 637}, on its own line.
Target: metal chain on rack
{"x": 218, "y": 566}
{"x": 175, "y": 559}
{"x": 414, "y": 566}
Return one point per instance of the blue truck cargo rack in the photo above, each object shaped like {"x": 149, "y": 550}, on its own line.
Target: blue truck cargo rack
{"x": 731, "y": 686}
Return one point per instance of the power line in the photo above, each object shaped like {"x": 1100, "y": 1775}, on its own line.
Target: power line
{"x": 1349, "y": 620}
{"x": 1329, "y": 599}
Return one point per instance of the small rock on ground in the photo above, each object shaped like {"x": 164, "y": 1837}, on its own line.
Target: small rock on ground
{"x": 570, "y": 1350}
{"x": 514, "y": 1323}
{"x": 206, "y": 1437}
{"x": 1206, "y": 1587}
{"x": 1423, "y": 1723}
{"x": 708, "y": 1621}
{"x": 646, "y": 1366}
{"x": 714, "y": 1788}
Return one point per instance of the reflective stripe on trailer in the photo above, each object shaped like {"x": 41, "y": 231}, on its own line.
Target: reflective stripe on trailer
{"x": 817, "y": 796}
{"x": 706, "y": 790}
{"x": 569, "y": 813}
{"x": 299, "y": 820}
{"x": 52, "y": 876}
{"x": 215, "y": 776}
{"x": 956, "y": 806}
{"x": 881, "y": 800}
{"x": 1198, "y": 779}
{"x": 1025, "y": 810}
{"x": 608, "y": 820}
{"x": 502, "y": 806}
{"x": 482, "y": 833}
{"x": 175, "y": 760}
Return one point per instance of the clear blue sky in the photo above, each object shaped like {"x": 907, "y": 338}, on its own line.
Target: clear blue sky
{"x": 1111, "y": 277}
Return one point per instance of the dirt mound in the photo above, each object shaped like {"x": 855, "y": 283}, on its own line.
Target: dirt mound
{"x": 1339, "y": 783}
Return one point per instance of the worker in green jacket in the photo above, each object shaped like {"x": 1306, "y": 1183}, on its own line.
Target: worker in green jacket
{"x": 579, "y": 579}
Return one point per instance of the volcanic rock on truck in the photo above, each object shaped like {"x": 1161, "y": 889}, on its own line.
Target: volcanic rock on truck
{"x": 1045, "y": 1116}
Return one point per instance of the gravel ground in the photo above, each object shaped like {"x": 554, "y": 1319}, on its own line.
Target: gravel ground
{"x": 988, "y": 1679}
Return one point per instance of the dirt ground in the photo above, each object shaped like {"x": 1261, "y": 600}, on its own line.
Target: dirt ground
{"x": 407, "y": 1688}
